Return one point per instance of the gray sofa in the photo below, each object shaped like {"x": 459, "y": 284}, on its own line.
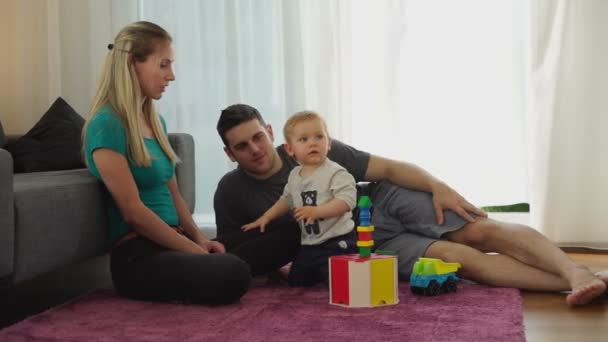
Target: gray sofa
{"x": 53, "y": 219}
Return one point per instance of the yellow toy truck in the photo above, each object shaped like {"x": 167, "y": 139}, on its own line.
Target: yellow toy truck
{"x": 431, "y": 277}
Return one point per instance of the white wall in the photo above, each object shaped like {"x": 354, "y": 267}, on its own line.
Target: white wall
{"x": 24, "y": 64}
{"x": 50, "y": 50}
{"x": 7, "y": 73}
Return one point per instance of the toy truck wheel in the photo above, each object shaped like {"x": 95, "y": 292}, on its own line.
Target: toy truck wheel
{"x": 449, "y": 285}
{"x": 417, "y": 290}
{"x": 433, "y": 289}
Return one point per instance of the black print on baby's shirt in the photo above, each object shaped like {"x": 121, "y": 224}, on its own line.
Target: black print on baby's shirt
{"x": 309, "y": 198}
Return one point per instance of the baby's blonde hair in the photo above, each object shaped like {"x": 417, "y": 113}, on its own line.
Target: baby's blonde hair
{"x": 119, "y": 87}
{"x": 299, "y": 117}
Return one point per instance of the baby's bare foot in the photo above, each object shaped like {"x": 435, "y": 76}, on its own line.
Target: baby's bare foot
{"x": 284, "y": 271}
{"x": 585, "y": 287}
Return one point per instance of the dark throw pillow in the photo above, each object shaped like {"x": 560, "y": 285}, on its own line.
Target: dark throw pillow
{"x": 54, "y": 143}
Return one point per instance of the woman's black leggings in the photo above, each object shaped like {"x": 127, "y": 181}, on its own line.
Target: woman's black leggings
{"x": 144, "y": 270}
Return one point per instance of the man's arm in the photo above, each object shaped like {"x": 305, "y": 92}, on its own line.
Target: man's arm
{"x": 414, "y": 177}
{"x": 228, "y": 216}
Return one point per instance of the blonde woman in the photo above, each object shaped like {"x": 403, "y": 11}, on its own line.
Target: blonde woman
{"x": 158, "y": 252}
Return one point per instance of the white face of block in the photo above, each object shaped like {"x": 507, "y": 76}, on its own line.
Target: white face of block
{"x": 371, "y": 282}
{"x": 359, "y": 285}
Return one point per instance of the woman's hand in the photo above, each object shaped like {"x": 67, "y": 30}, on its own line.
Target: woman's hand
{"x": 212, "y": 246}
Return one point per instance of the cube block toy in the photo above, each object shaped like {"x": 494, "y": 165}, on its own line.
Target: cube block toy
{"x": 356, "y": 281}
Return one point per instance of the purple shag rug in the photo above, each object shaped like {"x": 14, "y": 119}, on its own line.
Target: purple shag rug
{"x": 280, "y": 313}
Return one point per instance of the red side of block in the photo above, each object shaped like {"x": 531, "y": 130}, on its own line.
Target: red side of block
{"x": 339, "y": 281}
{"x": 364, "y": 236}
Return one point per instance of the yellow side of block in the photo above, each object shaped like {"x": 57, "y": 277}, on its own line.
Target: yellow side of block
{"x": 383, "y": 280}
{"x": 365, "y": 228}
{"x": 365, "y": 243}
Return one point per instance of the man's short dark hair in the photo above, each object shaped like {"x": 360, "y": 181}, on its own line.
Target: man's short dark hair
{"x": 235, "y": 115}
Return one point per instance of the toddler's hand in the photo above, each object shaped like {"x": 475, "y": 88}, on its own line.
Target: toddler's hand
{"x": 261, "y": 222}
{"x": 306, "y": 213}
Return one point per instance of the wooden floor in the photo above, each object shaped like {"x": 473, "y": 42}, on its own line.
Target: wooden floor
{"x": 548, "y": 318}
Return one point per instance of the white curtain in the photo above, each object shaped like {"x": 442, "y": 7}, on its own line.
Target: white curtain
{"x": 478, "y": 92}
{"x": 438, "y": 83}
{"x": 569, "y": 121}
{"x": 441, "y": 84}
{"x": 279, "y": 56}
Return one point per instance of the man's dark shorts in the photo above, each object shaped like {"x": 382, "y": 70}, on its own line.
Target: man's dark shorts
{"x": 405, "y": 223}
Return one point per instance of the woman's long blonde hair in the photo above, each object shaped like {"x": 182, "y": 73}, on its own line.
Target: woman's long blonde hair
{"x": 119, "y": 87}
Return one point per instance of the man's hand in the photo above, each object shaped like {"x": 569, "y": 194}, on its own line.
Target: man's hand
{"x": 445, "y": 197}
{"x": 307, "y": 213}
{"x": 260, "y": 222}
{"x": 212, "y": 246}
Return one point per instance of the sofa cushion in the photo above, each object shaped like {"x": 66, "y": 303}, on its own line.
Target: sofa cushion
{"x": 54, "y": 143}
{"x": 7, "y": 233}
{"x": 60, "y": 219}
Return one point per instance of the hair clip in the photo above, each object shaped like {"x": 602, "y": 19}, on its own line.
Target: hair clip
{"x": 111, "y": 47}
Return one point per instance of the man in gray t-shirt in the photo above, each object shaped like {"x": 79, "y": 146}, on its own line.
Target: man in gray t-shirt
{"x": 415, "y": 215}
{"x": 241, "y": 198}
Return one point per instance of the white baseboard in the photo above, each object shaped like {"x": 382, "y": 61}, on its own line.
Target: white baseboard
{"x": 206, "y": 222}
{"x": 521, "y": 218}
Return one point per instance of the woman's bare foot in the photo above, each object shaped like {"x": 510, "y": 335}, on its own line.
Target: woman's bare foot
{"x": 585, "y": 287}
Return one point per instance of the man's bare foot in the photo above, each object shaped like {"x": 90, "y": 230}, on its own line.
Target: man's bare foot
{"x": 585, "y": 287}
{"x": 603, "y": 276}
